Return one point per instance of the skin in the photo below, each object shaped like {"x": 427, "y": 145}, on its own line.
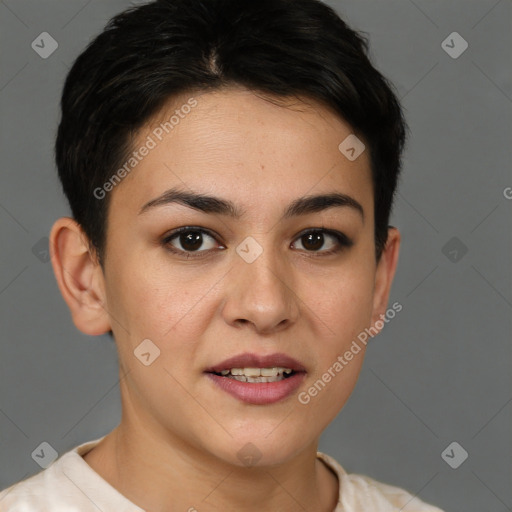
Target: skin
{"x": 177, "y": 443}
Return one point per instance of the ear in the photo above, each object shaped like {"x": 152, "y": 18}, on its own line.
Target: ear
{"x": 79, "y": 276}
{"x": 384, "y": 274}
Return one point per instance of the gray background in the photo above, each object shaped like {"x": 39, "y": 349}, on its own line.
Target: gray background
{"x": 439, "y": 372}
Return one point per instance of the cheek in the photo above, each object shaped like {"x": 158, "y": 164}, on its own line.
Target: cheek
{"x": 170, "y": 305}
{"x": 346, "y": 312}
{"x": 152, "y": 298}
{"x": 344, "y": 302}
{"x": 344, "y": 306}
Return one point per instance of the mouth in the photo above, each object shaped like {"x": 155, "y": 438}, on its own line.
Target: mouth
{"x": 258, "y": 380}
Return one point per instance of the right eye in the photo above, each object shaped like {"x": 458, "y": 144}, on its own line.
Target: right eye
{"x": 191, "y": 238}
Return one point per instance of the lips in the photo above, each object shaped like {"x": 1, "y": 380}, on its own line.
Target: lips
{"x": 249, "y": 360}
{"x": 261, "y": 393}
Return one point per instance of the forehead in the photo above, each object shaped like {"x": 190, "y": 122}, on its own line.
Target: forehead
{"x": 245, "y": 148}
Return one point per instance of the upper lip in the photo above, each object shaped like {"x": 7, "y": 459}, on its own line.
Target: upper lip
{"x": 249, "y": 360}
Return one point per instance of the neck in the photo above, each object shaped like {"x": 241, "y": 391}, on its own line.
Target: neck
{"x": 167, "y": 474}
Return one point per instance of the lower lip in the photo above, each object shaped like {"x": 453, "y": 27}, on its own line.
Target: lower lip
{"x": 259, "y": 393}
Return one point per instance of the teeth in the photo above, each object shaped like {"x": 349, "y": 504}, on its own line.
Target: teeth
{"x": 257, "y": 374}
{"x": 269, "y": 372}
{"x": 251, "y": 372}
{"x": 243, "y": 378}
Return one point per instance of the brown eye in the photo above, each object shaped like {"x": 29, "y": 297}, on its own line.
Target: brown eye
{"x": 313, "y": 240}
{"x": 189, "y": 240}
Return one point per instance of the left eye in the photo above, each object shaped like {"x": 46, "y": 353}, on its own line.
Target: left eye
{"x": 315, "y": 240}
{"x": 191, "y": 239}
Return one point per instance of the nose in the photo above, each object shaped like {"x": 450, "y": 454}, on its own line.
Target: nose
{"x": 261, "y": 293}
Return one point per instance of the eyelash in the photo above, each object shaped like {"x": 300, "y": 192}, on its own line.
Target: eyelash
{"x": 342, "y": 240}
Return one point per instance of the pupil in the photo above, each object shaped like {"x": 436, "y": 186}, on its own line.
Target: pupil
{"x": 317, "y": 238}
{"x": 192, "y": 240}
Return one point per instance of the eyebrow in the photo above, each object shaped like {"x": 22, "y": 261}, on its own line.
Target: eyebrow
{"x": 211, "y": 204}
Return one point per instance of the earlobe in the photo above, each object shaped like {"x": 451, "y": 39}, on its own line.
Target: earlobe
{"x": 385, "y": 273}
{"x": 79, "y": 277}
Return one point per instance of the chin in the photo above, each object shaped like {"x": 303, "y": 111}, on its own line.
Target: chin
{"x": 260, "y": 447}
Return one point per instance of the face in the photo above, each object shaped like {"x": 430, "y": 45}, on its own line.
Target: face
{"x": 262, "y": 284}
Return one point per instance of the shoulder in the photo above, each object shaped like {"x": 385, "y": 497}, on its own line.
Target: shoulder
{"x": 360, "y": 492}
{"x": 34, "y": 494}
{"x": 58, "y": 488}
{"x": 384, "y": 494}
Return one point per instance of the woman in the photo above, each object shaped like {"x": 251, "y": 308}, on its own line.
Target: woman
{"x": 230, "y": 167}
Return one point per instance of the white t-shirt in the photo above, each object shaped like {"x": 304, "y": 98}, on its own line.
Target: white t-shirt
{"x": 69, "y": 484}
